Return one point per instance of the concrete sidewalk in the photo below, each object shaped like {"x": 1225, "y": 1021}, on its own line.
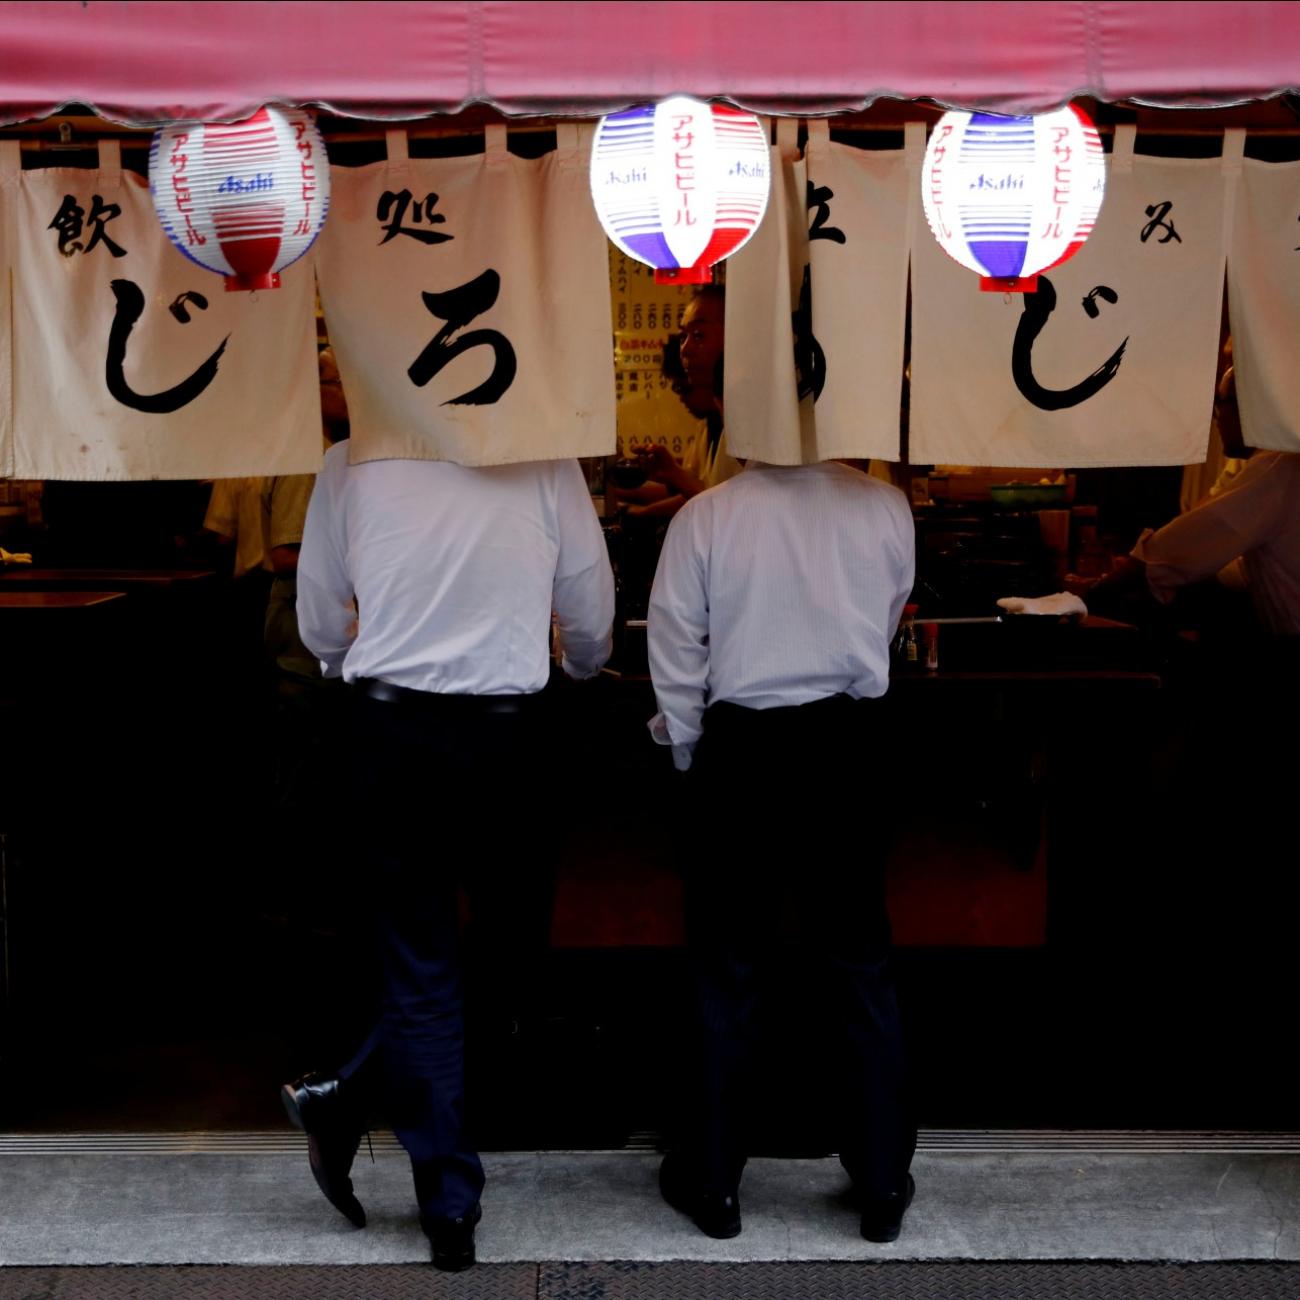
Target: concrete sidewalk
{"x": 250, "y": 1199}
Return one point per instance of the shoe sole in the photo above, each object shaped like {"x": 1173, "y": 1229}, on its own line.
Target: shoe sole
{"x": 292, "y": 1107}
{"x": 344, "y": 1200}
{"x": 457, "y": 1266}
{"x": 724, "y": 1234}
{"x": 883, "y": 1238}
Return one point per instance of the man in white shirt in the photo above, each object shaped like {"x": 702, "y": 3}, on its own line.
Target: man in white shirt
{"x": 771, "y": 616}
{"x": 1247, "y": 534}
{"x": 429, "y": 587}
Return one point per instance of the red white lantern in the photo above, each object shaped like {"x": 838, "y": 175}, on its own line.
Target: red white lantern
{"x": 680, "y": 185}
{"x": 243, "y": 199}
{"x": 1008, "y": 197}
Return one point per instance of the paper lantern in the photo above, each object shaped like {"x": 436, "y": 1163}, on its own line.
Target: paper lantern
{"x": 680, "y": 185}
{"x": 1008, "y": 197}
{"x": 244, "y": 199}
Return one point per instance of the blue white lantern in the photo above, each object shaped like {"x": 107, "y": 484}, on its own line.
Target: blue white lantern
{"x": 680, "y": 185}
{"x": 243, "y": 199}
{"x": 1008, "y": 197}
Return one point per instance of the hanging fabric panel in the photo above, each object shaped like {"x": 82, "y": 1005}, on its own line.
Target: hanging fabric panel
{"x": 860, "y": 205}
{"x": 1112, "y": 361}
{"x": 10, "y": 177}
{"x": 816, "y": 305}
{"x": 131, "y": 362}
{"x": 468, "y": 303}
{"x": 1264, "y": 303}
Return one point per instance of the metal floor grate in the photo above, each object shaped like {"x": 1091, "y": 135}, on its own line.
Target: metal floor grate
{"x": 627, "y": 1281}
{"x": 289, "y": 1142}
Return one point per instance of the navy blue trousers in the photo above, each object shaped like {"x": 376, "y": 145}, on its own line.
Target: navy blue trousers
{"x": 784, "y": 872}
{"x": 445, "y": 795}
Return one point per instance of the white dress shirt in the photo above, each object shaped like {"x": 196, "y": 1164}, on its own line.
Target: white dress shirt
{"x": 781, "y": 586}
{"x": 1252, "y": 525}
{"x": 441, "y": 578}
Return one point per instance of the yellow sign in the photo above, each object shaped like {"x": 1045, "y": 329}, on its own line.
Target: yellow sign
{"x": 646, "y": 316}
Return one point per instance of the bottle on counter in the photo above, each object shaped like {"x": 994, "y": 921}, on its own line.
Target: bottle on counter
{"x": 907, "y": 652}
{"x": 930, "y": 636}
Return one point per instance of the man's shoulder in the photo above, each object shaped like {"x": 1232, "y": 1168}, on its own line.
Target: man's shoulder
{"x": 1265, "y": 471}
{"x": 335, "y": 461}
{"x": 861, "y": 486}
{"x": 887, "y": 495}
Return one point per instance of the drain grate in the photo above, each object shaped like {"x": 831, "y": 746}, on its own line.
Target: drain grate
{"x": 288, "y": 1282}
{"x": 632, "y": 1281}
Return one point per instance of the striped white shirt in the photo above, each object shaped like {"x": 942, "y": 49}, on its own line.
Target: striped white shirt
{"x": 442, "y": 578}
{"x": 781, "y": 586}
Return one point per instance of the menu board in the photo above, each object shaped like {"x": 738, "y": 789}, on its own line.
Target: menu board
{"x": 646, "y": 315}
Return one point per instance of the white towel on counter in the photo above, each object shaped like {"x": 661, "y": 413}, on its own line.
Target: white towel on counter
{"x": 1062, "y": 605}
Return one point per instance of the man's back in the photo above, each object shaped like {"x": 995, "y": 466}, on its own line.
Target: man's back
{"x": 783, "y": 585}
{"x": 454, "y": 572}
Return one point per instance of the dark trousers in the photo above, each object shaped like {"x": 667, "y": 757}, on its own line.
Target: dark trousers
{"x": 447, "y": 793}
{"x": 786, "y": 866}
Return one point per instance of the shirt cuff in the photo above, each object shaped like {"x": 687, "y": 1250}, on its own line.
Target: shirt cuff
{"x": 1139, "y": 547}
{"x": 682, "y": 754}
{"x": 580, "y": 671}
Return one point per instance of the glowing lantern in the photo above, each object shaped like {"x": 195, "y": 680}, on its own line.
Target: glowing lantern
{"x": 680, "y": 185}
{"x": 243, "y": 199}
{"x": 1009, "y": 197}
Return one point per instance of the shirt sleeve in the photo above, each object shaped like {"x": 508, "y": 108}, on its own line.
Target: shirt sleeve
{"x": 903, "y": 560}
{"x": 1201, "y": 542}
{"x": 678, "y": 635}
{"x": 583, "y": 591}
{"x": 327, "y": 614}
{"x": 290, "y": 494}
{"x": 222, "y": 513}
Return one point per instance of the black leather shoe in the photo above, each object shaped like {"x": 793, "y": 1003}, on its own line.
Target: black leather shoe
{"x": 331, "y": 1161}
{"x": 714, "y": 1215}
{"x": 882, "y": 1216}
{"x": 315, "y": 1104}
{"x": 452, "y": 1240}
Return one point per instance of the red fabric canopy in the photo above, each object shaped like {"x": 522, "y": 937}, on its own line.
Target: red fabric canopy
{"x": 143, "y": 64}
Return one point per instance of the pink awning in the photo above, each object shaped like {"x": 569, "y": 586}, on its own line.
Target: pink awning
{"x": 143, "y": 64}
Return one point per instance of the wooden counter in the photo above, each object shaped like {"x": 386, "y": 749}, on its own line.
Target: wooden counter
{"x": 31, "y": 600}
{"x": 24, "y": 577}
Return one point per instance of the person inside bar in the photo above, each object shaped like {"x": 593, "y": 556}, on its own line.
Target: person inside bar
{"x": 693, "y": 364}
{"x": 772, "y": 611}
{"x": 1247, "y": 537}
{"x": 429, "y": 587}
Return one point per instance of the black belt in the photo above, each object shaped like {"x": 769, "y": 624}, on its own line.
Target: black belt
{"x": 374, "y": 689}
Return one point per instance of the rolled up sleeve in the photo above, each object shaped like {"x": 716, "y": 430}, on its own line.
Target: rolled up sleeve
{"x": 1205, "y": 540}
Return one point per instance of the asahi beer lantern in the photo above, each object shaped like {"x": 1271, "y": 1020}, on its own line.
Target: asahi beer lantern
{"x": 243, "y": 199}
{"x": 1008, "y": 197}
{"x": 680, "y": 185}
